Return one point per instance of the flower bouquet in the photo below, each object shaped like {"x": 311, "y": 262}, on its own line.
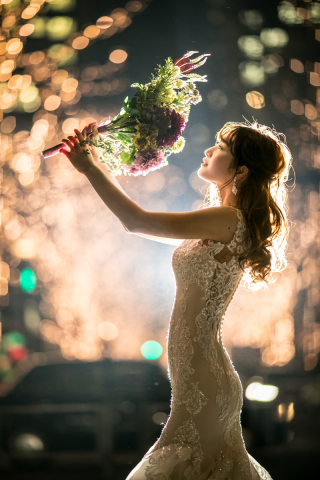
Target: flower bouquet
{"x": 149, "y": 126}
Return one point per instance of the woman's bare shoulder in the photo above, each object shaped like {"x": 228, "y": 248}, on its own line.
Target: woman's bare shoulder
{"x": 226, "y": 221}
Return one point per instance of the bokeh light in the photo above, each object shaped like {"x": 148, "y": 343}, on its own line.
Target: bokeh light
{"x": 104, "y": 22}
{"x": 261, "y": 393}
{"x": 80, "y": 42}
{"x": 118, "y": 56}
{"x": 251, "y": 45}
{"x": 107, "y": 331}
{"x": 28, "y": 280}
{"x": 8, "y": 124}
{"x": 39, "y": 27}
{"x": 60, "y": 28}
{"x": 296, "y": 65}
{"x": 62, "y": 5}
{"x": 30, "y": 11}
{"x": 63, "y": 55}
{"x": 274, "y": 37}
{"x": 217, "y": 99}
{"x": 151, "y": 350}
{"x": 134, "y": 6}
{"x": 252, "y": 73}
{"x": 92, "y": 31}
{"x": 26, "y": 30}
{"x": 52, "y": 102}
{"x": 251, "y": 18}
{"x": 255, "y": 99}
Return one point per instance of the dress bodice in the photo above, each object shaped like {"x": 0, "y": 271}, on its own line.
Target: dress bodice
{"x": 200, "y": 262}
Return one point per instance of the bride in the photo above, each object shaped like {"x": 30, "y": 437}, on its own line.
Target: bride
{"x": 241, "y": 234}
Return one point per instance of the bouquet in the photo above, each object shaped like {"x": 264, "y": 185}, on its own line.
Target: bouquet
{"x": 149, "y": 126}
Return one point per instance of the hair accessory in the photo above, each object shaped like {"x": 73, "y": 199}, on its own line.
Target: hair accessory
{"x": 234, "y": 188}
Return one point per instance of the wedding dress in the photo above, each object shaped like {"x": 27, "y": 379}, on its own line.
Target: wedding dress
{"x": 202, "y": 439}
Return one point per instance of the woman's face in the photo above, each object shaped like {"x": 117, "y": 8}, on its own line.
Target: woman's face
{"x": 216, "y": 166}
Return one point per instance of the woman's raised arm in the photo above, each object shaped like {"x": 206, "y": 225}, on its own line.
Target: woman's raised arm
{"x": 169, "y": 241}
{"x": 217, "y": 223}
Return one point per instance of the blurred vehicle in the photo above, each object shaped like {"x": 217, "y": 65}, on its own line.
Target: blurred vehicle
{"x": 107, "y": 411}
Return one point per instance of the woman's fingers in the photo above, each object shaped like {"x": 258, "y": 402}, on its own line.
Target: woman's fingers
{"x": 85, "y": 132}
{"x": 67, "y": 142}
{"x": 73, "y": 139}
{"x": 65, "y": 152}
{"x": 92, "y": 129}
{"x": 78, "y": 135}
{"x": 75, "y": 142}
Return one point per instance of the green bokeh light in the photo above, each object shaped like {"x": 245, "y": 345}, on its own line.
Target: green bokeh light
{"x": 13, "y": 339}
{"x": 62, "y": 5}
{"x": 29, "y": 94}
{"x": 28, "y": 280}
{"x": 151, "y": 350}
{"x": 60, "y": 28}
{"x": 63, "y": 54}
{"x": 8, "y": 6}
{"x": 39, "y": 27}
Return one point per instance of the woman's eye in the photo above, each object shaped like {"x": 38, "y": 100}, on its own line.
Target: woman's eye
{"x": 220, "y": 147}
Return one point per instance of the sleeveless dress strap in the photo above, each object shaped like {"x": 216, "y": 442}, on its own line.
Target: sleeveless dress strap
{"x": 237, "y": 243}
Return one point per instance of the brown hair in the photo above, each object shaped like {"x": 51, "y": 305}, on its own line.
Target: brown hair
{"x": 262, "y": 197}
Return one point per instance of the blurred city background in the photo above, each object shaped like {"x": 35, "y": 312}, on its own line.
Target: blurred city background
{"x": 85, "y": 306}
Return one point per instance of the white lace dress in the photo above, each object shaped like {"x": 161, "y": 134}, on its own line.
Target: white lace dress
{"x": 202, "y": 439}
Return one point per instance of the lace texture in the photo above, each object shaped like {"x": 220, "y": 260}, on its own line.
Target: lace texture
{"x": 202, "y": 439}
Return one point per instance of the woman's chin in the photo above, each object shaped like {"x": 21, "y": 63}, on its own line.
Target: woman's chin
{"x": 202, "y": 174}
{"x": 201, "y": 171}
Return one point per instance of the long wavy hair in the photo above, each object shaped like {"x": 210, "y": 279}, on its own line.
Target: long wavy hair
{"x": 262, "y": 197}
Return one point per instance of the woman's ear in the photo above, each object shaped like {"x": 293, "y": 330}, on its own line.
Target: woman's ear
{"x": 242, "y": 172}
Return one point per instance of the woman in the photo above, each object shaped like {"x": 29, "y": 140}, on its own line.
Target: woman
{"x": 246, "y": 233}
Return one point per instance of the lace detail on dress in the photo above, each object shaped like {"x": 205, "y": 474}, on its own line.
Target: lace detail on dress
{"x": 181, "y": 350}
{"x": 202, "y": 439}
{"x": 262, "y": 472}
{"x": 194, "y": 399}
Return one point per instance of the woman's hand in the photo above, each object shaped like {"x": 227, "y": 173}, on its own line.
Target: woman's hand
{"x": 80, "y": 157}
{"x": 92, "y": 130}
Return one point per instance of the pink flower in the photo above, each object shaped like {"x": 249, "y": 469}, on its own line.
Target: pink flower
{"x": 174, "y": 131}
{"x": 186, "y": 65}
{"x": 163, "y": 120}
{"x": 146, "y": 162}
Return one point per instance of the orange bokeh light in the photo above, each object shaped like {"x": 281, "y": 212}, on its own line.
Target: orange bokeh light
{"x": 7, "y": 66}
{"x": 3, "y": 48}
{"x": 9, "y": 21}
{"x": 118, "y": 56}
{"x": 104, "y": 22}
{"x": 59, "y": 76}
{"x": 14, "y": 46}
{"x": 52, "y": 102}
{"x": 26, "y": 30}
{"x": 36, "y": 57}
{"x": 69, "y": 85}
{"x": 92, "y": 31}
{"x": 79, "y": 43}
{"x": 134, "y": 6}
{"x": 30, "y": 11}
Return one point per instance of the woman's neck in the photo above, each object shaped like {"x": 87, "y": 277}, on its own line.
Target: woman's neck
{"x": 227, "y": 198}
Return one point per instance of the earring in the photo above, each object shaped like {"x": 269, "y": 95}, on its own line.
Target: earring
{"x": 234, "y": 188}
